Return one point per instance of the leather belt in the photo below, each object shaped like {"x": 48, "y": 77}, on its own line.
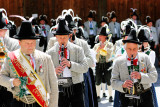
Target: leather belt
{"x": 27, "y": 99}
{"x": 148, "y": 89}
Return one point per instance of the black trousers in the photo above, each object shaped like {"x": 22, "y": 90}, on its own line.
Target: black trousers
{"x": 145, "y": 100}
{"x": 16, "y": 103}
{"x": 102, "y": 73}
{"x": 5, "y": 97}
{"x": 45, "y": 44}
{"x": 92, "y": 40}
{"x": 114, "y": 39}
{"x": 72, "y": 96}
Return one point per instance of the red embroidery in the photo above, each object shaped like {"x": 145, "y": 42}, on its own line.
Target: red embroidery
{"x": 134, "y": 61}
{"x": 65, "y": 52}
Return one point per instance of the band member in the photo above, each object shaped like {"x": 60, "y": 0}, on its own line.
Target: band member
{"x": 104, "y": 21}
{"x": 134, "y": 17}
{"x": 121, "y": 50}
{"x": 29, "y": 74}
{"x": 145, "y": 48}
{"x": 89, "y": 88}
{"x": 103, "y": 75}
{"x": 70, "y": 63}
{"x": 85, "y": 34}
{"x": 10, "y": 44}
{"x": 153, "y": 34}
{"x": 45, "y": 28}
{"x": 91, "y": 27}
{"x": 39, "y": 42}
{"x": 114, "y": 27}
{"x": 135, "y": 69}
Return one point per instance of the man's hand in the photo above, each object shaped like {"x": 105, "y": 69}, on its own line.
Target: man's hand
{"x": 127, "y": 84}
{"x": 16, "y": 82}
{"x": 101, "y": 47}
{"x": 59, "y": 70}
{"x": 135, "y": 75}
{"x": 65, "y": 63}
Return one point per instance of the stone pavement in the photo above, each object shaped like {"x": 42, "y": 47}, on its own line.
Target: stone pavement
{"x": 105, "y": 102}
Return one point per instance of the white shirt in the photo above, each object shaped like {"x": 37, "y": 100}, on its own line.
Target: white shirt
{"x": 66, "y": 71}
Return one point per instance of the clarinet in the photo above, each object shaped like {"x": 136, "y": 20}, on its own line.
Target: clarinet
{"x": 137, "y": 88}
{"x": 61, "y": 75}
{"x": 132, "y": 89}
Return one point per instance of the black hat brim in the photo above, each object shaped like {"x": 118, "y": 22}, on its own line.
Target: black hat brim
{"x": 32, "y": 37}
{"x": 103, "y": 34}
{"x": 62, "y": 33}
{"x": 145, "y": 41}
{"x": 131, "y": 41}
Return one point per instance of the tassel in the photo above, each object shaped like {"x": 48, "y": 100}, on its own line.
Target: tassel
{"x": 142, "y": 48}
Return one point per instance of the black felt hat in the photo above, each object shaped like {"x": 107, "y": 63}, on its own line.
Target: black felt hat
{"x": 43, "y": 17}
{"x": 148, "y": 19}
{"x": 3, "y": 20}
{"x": 142, "y": 36}
{"x": 34, "y": 21}
{"x": 104, "y": 19}
{"x": 113, "y": 15}
{"x": 62, "y": 28}
{"x": 127, "y": 30}
{"x": 53, "y": 22}
{"x": 12, "y": 29}
{"x": 134, "y": 13}
{"x": 80, "y": 23}
{"x": 91, "y": 15}
{"x": 26, "y": 31}
{"x": 104, "y": 31}
{"x": 132, "y": 38}
{"x": 70, "y": 21}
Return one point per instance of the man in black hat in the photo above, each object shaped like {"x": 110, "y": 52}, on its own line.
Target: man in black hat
{"x": 119, "y": 50}
{"x": 114, "y": 27}
{"x": 135, "y": 17}
{"x": 102, "y": 23}
{"x": 29, "y": 74}
{"x": 133, "y": 69}
{"x": 145, "y": 48}
{"x": 45, "y": 30}
{"x": 153, "y": 33}
{"x": 37, "y": 30}
{"x": 9, "y": 44}
{"x": 70, "y": 63}
{"x": 80, "y": 24}
{"x": 103, "y": 75}
{"x": 119, "y": 45}
{"x": 91, "y": 27}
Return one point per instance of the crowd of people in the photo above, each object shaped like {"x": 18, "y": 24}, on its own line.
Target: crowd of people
{"x": 68, "y": 63}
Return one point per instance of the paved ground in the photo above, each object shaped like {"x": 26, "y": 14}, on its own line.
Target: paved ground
{"x": 105, "y": 103}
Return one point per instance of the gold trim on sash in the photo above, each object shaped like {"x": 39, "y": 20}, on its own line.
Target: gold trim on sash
{"x": 34, "y": 74}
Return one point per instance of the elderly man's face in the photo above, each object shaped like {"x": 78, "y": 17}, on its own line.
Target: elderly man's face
{"x": 27, "y": 46}
{"x": 62, "y": 39}
{"x": 131, "y": 49}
